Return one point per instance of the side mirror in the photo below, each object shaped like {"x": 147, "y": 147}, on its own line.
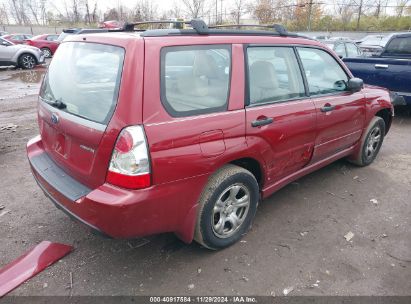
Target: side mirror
{"x": 4, "y": 43}
{"x": 355, "y": 84}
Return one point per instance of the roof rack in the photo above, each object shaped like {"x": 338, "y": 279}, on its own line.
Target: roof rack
{"x": 278, "y": 27}
{"x": 199, "y": 27}
{"x": 197, "y": 24}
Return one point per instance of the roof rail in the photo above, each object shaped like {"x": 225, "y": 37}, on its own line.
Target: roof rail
{"x": 197, "y": 24}
{"x": 199, "y": 27}
{"x": 281, "y": 30}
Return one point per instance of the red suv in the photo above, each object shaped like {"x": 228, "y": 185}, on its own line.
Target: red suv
{"x": 185, "y": 131}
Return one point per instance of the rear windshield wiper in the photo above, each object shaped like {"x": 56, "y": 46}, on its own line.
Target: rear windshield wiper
{"x": 58, "y": 103}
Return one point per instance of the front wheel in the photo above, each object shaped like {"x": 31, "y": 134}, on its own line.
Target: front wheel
{"x": 370, "y": 143}
{"x": 46, "y": 52}
{"x": 27, "y": 61}
{"x": 227, "y": 207}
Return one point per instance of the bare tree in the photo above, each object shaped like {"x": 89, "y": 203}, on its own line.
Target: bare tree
{"x": 175, "y": 11}
{"x": 238, "y": 10}
{"x": 4, "y": 16}
{"x": 34, "y": 7}
{"x": 401, "y": 7}
{"x": 194, "y": 8}
{"x": 264, "y": 11}
{"x": 145, "y": 10}
{"x": 345, "y": 10}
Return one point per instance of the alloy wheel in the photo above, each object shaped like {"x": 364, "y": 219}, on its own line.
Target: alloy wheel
{"x": 28, "y": 61}
{"x": 230, "y": 210}
{"x": 373, "y": 142}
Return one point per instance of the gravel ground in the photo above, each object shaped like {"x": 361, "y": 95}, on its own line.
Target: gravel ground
{"x": 297, "y": 239}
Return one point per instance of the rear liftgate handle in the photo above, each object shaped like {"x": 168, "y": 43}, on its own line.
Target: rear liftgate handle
{"x": 262, "y": 121}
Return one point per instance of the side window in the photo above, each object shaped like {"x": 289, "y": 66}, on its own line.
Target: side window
{"x": 51, "y": 38}
{"x": 340, "y": 50}
{"x": 401, "y": 45}
{"x": 324, "y": 74}
{"x": 273, "y": 74}
{"x": 352, "y": 50}
{"x": 195, "y": 79}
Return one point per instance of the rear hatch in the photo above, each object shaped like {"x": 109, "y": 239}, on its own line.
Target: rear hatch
{"x": 77, "y": 99}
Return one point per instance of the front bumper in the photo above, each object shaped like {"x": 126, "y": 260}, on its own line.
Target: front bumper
{"x": 117, "y": 212}
{"x": 41, "y": 59}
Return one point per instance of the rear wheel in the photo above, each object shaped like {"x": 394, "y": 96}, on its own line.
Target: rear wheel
{"x": 370, "y": 142}
{"x": 46, "y": 52}
{"x": 27, "y": 61}
{"x": 227, "y": 207}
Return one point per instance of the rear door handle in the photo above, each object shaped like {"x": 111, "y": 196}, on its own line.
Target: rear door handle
{"x": 381, "y": 66}
{"x": 262, "y": 122}
{"x": 327, "y": 108}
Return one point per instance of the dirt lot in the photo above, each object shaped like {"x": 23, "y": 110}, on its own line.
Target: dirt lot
{"x": 297, "y": 239}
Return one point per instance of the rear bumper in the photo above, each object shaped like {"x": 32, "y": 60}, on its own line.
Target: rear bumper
{"x": 117, "y": 212}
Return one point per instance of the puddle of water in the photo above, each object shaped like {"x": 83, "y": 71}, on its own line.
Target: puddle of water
{"x": 20, "y": 83}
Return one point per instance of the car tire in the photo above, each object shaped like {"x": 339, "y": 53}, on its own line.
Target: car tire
{"x": 227, "y": 207}
{"x": 46, "y": 52}
{"x": 27, "y": 61}
{"x": 370, "y": 143}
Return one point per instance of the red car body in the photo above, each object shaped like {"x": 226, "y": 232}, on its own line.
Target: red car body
{"x": 46, "y": 42}
{"x": 17, "y": 38}
{"x": 186, "y": 151}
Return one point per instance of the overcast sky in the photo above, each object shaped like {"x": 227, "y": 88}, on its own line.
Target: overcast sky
{"x": 164, "y": 5}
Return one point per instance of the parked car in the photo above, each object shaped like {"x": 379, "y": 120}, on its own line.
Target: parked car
{"x": 370, "y": 40}
{"x": 339, "y": 38}
{"x": 47, "y": 43}
{"x": 322, "y": 37}
{"x": 2, "y": 33}
{"x": 372, "y": 45}
{"x": 19, "y": 55}
{"x": 391, "y": 69}
{"x": 111, "y": 24}
{"x": 343, "y": 48}
{"x": 17, "y": 38}
{"x": 176, "y": 131}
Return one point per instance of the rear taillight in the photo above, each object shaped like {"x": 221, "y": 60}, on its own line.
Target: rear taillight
{"x": 130, "y": 164}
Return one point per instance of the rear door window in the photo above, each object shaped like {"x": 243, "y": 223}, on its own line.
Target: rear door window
{"x": 195, "y": 79}
{"x": 85, "y": 79}
{"x": 273, "y": 75}
{"x": 324, "y": 75}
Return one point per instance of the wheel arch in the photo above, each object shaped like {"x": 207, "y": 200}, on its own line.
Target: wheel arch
{"x": 252, "y": 165}
{"x": 386, "y": 115}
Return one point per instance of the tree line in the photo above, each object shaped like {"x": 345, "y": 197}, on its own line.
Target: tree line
{"x": 297, "y": 15}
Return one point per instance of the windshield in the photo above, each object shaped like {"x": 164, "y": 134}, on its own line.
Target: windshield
{"x": 83, "y": 79}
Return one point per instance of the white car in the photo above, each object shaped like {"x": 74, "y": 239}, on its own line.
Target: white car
{"x": 19, "y": 55}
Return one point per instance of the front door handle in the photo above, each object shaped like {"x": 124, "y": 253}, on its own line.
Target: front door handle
{"x": 262, "y": 121}
{"x": 381, "y": 66}
{"x": 327, "y": 108}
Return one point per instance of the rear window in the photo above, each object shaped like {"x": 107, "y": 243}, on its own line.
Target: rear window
{"x": 195, "y": 79}
{"x": 85, "y": 77}
{"x": 400, "y": 45}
